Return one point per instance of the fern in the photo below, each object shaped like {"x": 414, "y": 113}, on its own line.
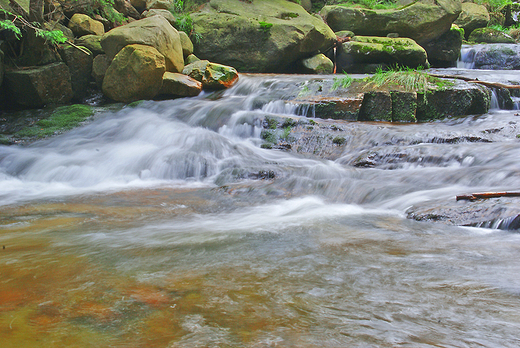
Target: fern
{"x": 55, "y": 37}
{"x": 5, "y": 24}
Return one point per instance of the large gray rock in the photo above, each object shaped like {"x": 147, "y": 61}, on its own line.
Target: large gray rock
{"x": 423, "y": 20}
{"x": 99, "y": 68}
{"x": 473, "y": 16}
{"x": 258, "y": 36}
{"x": 38, "y": 86}
{"x": 135, "y": 73}
{"x": 92, "y": 42}
{"x": 187, "y": 45}
{"x": 80, "y": 68}
{"x": 363, "y": 53}
{"x": 160, "y": 12}
{"x": 153, "y": 31}
{"x": 318, "y": 64}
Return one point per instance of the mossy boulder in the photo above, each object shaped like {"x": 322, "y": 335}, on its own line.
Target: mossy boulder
{"x": 81, "y": 24}
{"x": 154, "y": 32}
{"x": 92, "y": 42}
{"x": 362, "y": 53}
{"x": 99, "y": 68}
{"x": 497, "y": 57}
{"x": 80, "y": 68}
{"x": 259, "y": 35}
{"x": 490, "y": 35}
{"x": 211, "y": 75}
{"x": 318, "y": 64}
{"x": 473, "y": 16}
{"x": 376, "y": 106}
{"x": 160, "y": 12}
{"x": 444, "y": 51}
{"x": 38, "y": 86}
{"x": 187, "y": 45}
{"x": 423, "y": 20}
{"x": 180, "y": 85}
{"x": 135, "y": 73}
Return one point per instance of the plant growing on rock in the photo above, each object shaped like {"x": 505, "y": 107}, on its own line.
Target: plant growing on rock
{"x": 408, "y": 79}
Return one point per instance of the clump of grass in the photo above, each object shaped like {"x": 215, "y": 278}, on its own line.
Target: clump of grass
{"x": 62, "y": 119}
{"x": 343, "y": 82}
{"x": 408, "y": 79}
{"x": 265, "y": 26}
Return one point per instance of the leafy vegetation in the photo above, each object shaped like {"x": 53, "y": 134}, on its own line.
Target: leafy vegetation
{"x": 343, "y": 82}
{"x": 265, "y": 26}
{"x": 493, "y": 5}
{"x": 14, "y": 23}
{"x": 407, "y": 79}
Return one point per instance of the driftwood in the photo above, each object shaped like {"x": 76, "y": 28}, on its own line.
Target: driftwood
{"x": 469, "y": 79}
{"x": 486, "y": 195}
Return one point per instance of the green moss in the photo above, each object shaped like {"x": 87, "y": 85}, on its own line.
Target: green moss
{"x": 62, "y": 119}
{"x": 265, "y": 27}
{"x": 339, "y": 140}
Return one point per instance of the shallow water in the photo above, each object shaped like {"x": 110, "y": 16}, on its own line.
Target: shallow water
{"x": 150, "y": 228}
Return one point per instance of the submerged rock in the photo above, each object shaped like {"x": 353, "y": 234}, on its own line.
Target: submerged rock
{"x": 496, "y": 57}
{"x": 259, "y": 36}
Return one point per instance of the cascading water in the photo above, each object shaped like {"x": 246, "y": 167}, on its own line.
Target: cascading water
{"x": 168, "y": 225}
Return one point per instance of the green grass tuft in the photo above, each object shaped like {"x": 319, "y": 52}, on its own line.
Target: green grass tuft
{"x": 408, "y": 79}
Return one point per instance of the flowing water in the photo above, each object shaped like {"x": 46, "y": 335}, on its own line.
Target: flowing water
{"x": 153, "y": 227}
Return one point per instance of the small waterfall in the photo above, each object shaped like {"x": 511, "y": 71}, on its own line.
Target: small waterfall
{"x": 494, "y": 100}
{"x": 467, "y": 58}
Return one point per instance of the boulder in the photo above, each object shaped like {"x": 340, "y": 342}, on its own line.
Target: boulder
{"x": 92, "y": 42}
{"x": 159, "y": 4}
{"x": 39, "y": 52}
{"x": 81, "y": 24}
{"x": 180, "y": 85}
{"x": 318, "y": 64}
{"x": 473, "y": 16}
{"x": 58, "y": 26}
{"x": 212, "y": 76}
{"x": 99, "y": 68}
{"x": 490, "y": 35}
{"x": 376, "y": 106}
{"x": 423, "y": 20}
{"x": 37, "y": 86}
{"x": 138, "y": 4}
{"x": 187, "y": 45}
{"x": 259, "y": 36}
{"x": 363, "y": 53}
{"x": 80, "y": 69}
{"x": 126, "y": 8}
{"x": 497, "y": 57}
{"x": 153, "y": 31}
{"x": 160, "y": 12}
{"x": 444, "y": 51}
{"x": 135, "y": 73}
{"x": 191, "y": 59}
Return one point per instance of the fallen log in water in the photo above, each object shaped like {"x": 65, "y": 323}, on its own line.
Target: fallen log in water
{"x": 469, "y": 79}
{"x": 486, "y": 195}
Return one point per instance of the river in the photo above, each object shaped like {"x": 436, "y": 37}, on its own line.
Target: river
{"x": 152, "y": 226}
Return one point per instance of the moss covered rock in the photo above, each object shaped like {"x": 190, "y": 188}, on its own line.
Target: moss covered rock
{"x": 80, "y": 68}
{"x": 135, "y": 73}
{"x": 37, "y": 86}
{"x": 211, "y": 75}
{"x": 92, "y": 42}
{"x": 473, "y": 16}
{"x": 180, "y": 85}
{"x": 318, "y": 64}
{"x": 490, "y": 35}
{"x": 366, "y": 52}
{"x": 154, "y": 32}
{"x": 259, "y": 35}
{"x": 81, "y": 24}
{"x": 187, "y": 45}
{"x": 444, "y": 51}
{"x": 423, "y": 20}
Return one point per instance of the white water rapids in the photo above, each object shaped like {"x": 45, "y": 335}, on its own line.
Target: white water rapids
{"x": 149, "y": 227}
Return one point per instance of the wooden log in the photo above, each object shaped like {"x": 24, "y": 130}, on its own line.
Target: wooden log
{"x": 469, "y": 79}
{"x": 486, "y": 195}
